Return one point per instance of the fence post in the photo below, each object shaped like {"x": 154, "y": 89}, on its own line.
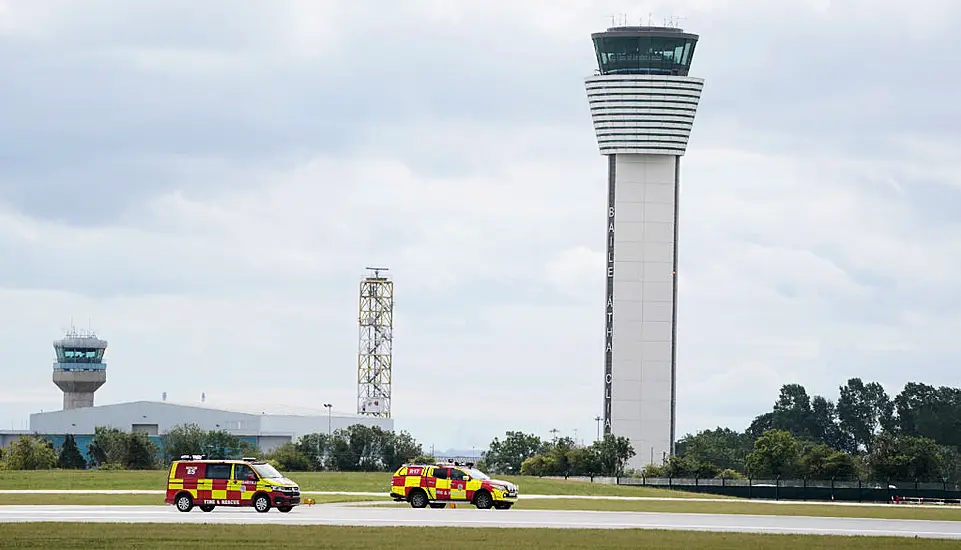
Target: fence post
{"x": 750, "y": 488}
{"x": 670, "y": 482}
{"x": 777, "y": 487}
{"x": 804, "y": 489}
{"x": 859, "y": 489}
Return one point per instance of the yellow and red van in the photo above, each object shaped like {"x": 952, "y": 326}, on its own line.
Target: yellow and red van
{"x": 195, "y": 481}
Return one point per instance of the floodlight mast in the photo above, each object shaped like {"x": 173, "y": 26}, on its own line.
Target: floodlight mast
{"x": 375, "y": 346}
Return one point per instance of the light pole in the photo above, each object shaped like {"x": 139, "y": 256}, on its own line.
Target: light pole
{"x": 328, "y": 406}
{"x": 598, "y": 420}
{"x": 554, "y": 431}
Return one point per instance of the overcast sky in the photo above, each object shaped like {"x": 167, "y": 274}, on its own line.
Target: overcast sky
{"x": 203, "y": 184}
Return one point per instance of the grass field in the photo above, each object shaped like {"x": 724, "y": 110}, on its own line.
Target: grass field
{"x": 123, "y": 500}
{"x": 149, "y": 536}
{"x": 751, "y": 508}
{"x": 308, "y": 481}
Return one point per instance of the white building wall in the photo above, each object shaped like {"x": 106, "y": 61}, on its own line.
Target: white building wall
{"x": 642, "y": 372}
{"x": 146, "y": 414}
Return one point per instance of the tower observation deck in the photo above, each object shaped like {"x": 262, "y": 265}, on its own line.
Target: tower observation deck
{"x": 79, "y": 370}
{"x": 642, "y": 103}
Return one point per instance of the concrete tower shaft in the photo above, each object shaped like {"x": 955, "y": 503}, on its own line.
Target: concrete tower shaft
{"x": 79, "y": 370}
{"x": 643, "y": 105}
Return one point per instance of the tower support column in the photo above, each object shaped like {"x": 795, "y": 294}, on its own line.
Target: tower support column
{"x": 643, "y": 105}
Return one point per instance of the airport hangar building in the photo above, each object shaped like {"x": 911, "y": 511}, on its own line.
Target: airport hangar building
{"x": 79, "y": 371}
{"x": 265, "y": 428}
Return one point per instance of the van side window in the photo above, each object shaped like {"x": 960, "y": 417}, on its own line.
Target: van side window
{"x": 440, "y": 473}
{"x": 241, "y": 471}
{"x": 457, "y": 475}
{"x": 218, "y": 471}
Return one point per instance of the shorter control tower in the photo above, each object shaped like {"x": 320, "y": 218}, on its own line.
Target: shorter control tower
{"x": 79, "y": 370}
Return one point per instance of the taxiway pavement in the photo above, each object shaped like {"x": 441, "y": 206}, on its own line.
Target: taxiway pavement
{"x": 336, "y": 514}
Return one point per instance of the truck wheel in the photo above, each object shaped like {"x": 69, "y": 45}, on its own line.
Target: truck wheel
{"x": 262, "y": 503}
{"x": 207, "y": 508}
{"x": 483, "y": 500}
{"x": 285, "y": 509}
{"x": 185, "y": 502}
{"x": 418, "y": 499}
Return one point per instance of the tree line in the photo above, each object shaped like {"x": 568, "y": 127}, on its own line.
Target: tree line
{"x": 528, "y": 454}
{"x": 864, "y": 434}
{"x": 355, "y": 448}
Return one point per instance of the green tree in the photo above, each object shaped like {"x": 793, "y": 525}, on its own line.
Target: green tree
{"x": 506, "y": 457}
{"x": 557, "y": 454}
{"x": 108, "y": 447}
{"x": 823, "y": 462}
{"x": 140, "y": 452}
{"x": 926, "y": 411}
{"x": 183, "y": 439}
{"x": 613, "y": 452}
{"x": 288, "y": 458}
{"x": 898, "y": 457}
{"x": 863, "y": 410}
{"x": 825, "y": 423}
{"x": 775, "y": 454}
{"x": 315, "y": 448}
{"x": 539, "y": 465}
{"x": 70, "y": 457}
{"x": 582, "y": 461}
{"x": 723, "y": 447}
{"x": 29, "y": 453}
{"x": 221, "y": 444}
{"x": 398, "y": 449}
{"x": 793, "y": 413}
{"x": 686, "y": 467}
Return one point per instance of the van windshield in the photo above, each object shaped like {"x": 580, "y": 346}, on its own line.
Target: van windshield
{"x": 267, "y": 471}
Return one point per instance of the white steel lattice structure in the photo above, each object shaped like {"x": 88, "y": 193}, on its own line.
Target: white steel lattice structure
{"x": 643, "y": 105}
{"x": 374, "y": 356}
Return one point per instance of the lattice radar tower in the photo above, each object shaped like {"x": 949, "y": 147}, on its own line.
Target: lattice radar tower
{"x": 643, "y": 103}
{"x": 375, "y": 350}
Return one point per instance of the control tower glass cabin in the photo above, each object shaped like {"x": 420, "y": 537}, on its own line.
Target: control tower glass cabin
{"x": 79, "y": 370}
{"x": 642, "y": 103}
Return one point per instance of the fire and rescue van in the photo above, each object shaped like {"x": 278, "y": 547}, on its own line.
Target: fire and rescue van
{"x": 195, "y": 481}
{"x": 435, "y": 485}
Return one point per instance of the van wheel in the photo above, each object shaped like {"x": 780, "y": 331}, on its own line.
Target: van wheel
{"x": 285, "y": 509}
{"x": 418, "y": 499}
{"x": 185, "y": 502}
{"x": 262, "y": 503}
{"x": 483, "y": 500}
{"x": 207, "y": 508}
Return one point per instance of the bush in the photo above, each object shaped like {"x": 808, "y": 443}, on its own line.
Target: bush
{"x": 29, "y": 453}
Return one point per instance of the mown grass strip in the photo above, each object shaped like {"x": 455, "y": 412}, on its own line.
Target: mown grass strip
{"x": 231, "y": 537}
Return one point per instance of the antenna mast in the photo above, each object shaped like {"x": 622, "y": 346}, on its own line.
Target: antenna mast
{"x": 375, "y": 347}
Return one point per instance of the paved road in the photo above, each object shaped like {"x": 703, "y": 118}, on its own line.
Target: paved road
{"x": 333, "y": 514}
{"x": 385, "y": 498}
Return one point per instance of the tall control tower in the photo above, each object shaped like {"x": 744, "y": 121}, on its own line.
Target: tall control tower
{"x": 643, "y": 104}
{"x": 79, "y": 370}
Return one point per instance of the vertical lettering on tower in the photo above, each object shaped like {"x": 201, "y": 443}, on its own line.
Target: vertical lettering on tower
{"x": 609, "y": 298}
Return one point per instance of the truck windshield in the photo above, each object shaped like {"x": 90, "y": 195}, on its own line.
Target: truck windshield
{"x": 477, "y": 474}
{"x": 267, "y": 471}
